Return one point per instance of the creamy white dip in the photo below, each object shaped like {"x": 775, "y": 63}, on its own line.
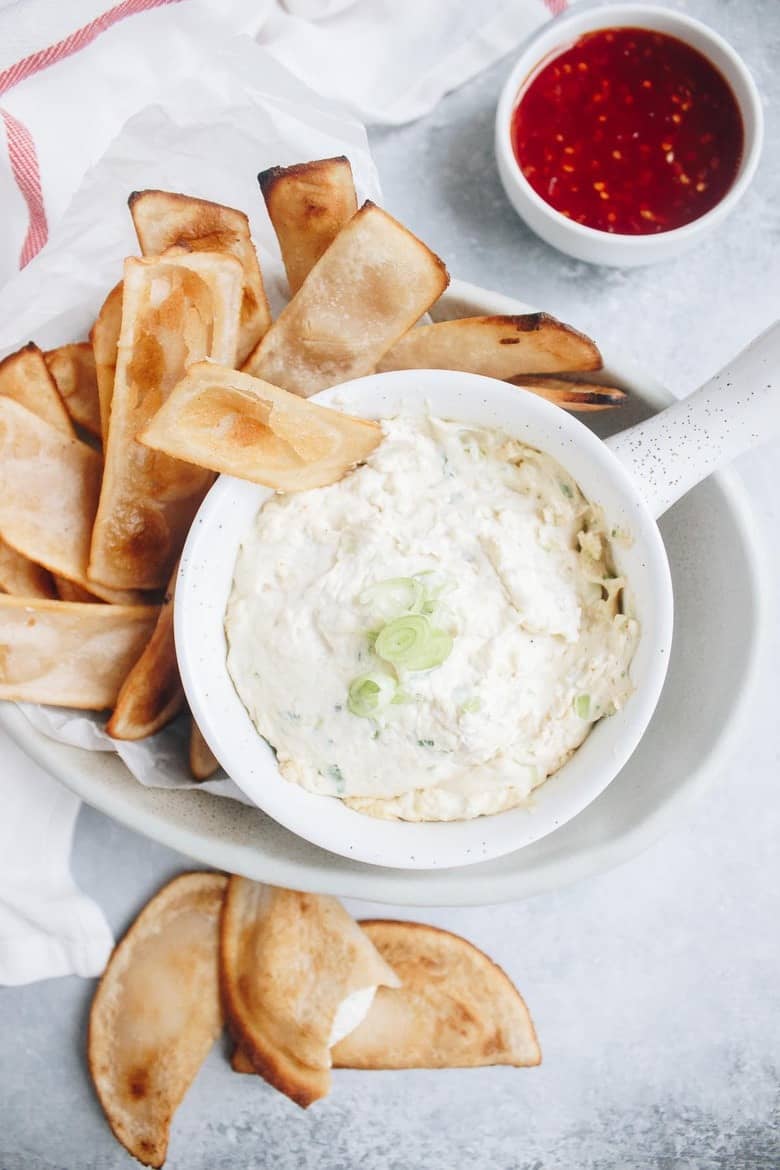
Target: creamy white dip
{"x": 517, "y": 571}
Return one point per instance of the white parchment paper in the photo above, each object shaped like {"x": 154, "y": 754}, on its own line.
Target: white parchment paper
{"x": 207, "y": 136}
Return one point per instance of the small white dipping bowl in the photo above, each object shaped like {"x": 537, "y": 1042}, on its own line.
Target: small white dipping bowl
{"x": 633, "y": 477}
{"x": 586, "y": 243}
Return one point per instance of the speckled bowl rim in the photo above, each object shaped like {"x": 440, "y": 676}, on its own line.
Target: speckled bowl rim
{"x": 183, "y": 820}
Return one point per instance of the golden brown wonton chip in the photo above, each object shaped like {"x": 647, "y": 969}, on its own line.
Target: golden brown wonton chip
{"x": 156, "y": 1013}
{"x": 176, "y": 310}
{"x": 203, "y": 763}
{"x": 49, "y": 486}
{"x": 22, "y": 577}
{"x": 572, "y": 394}
{"x": 287, "y": 961}
{"x": 374, "y": 281}
{"x": 308, "y": 205}
{"x": 454, "y": 1009}
{"x": 73, "y": 369}
{"x": 25, "y": 378}
{"x": 242, "y": 426}
{"x": 67, "y": 654}
{"x": 165, "y": 220}
{"x": 152, "y": 693}
{"x": 499, "y": 347}
{"x": 104, "y": 336}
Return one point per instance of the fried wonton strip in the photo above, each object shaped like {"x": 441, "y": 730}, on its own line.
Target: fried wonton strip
{"x": 454, "y": 1009}
{"x": 49, "y": 487}
{"x": 105, "y": 339}
{"x": 287, "y": 961}
{"x": 308, "y": 205}
{"x": 68, "y": 654}
{"x": 203, "y": 762}
{"x": 374, "y": 281}
{"x": 22, "y": 577}
{"x": 577, "y": 396}
{"x": 242, "y": 426}
{"x": 500, "y": 347}
{"x": 176, "y": 310}
{"x": 73, "y": 370}
{"x": 152, "y": 693}
{"x": 156, "y": 1013}
{"x": 164, "y": 220}
{"x": 25, "y": 378}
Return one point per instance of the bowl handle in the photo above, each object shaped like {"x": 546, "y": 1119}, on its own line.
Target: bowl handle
{"x": 739, "y": 408}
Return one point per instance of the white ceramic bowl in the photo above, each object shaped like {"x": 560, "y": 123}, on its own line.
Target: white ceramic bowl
{"x": 204, "y": 584}
{"x": 585, "y": 243}
{"x": 634, "y": 477}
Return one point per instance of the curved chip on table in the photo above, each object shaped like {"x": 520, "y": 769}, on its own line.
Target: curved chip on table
{"x": 571, "y": 393}
{"x": 69, "y": 654}
{"x": 73, "y": 369}
{"x": 296, "y": 972}
{"x": 233, "y": 423}
{"x": 499, "y": 347}
{"x": 152, "y": 693}
{"x": 203, "y": 763}
{"x": 22, "y": 577}
{"x": 454, "y": 1009}
{"x": 156, "y": 1013}
{"x": 25, "y": 378}
{"x": 308, "y": 205}
{"x": 165, "y": 219}
{"x": 104, "y": 337}
{"x": 176, "y": 310}
{"x": 373, "y": 282}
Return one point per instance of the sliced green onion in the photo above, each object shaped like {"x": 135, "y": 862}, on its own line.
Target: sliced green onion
{"x": 582, "y": 706}
{"x": 472, "y": 705}
{"x": 369, "y": 694}
{"x": 412, "y": 643}
{"x": 397, "y": 595}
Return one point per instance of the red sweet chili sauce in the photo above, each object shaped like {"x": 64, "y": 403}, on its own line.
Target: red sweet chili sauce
{"x": 629, "y": 131}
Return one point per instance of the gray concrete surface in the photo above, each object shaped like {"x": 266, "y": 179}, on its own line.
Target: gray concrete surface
{"x": 654, "y": 987}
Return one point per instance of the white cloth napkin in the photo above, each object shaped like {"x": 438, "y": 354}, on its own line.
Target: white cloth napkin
{"x": 47, "y": 926}
{"x": 194, "y": 100}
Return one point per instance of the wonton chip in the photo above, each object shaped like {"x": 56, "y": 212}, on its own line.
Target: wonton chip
{"x": 49, "y": 487}
{"x": 68, "y": 654}
{"x": 308, "y": 205}
{"x": 105, "y": 339}
{"x": 73, "y": 369}
{"x": 499, "y": 347}
{"x": 203, "y": 762}
{"x": 152, "y": 693}
{"x": 176, "y": 310}
{"x": 242, "y": 426}
{"x": 287, "y": 962}
{"x": 25, "y": 378}
{"x": 577, "y": 396}
{"x": 22, "y": 577}
{"x": 454, "y": 1009}
{"x": 163, "y": 220}
{"x": 156, "y": 1013}
{"x": 374, "y": 281}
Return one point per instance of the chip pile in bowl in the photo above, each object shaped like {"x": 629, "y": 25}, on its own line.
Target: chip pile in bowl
{"x": 109, "y": 445}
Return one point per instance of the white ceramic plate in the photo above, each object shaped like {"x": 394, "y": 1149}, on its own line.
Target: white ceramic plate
{"x": 719, "y": 619}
